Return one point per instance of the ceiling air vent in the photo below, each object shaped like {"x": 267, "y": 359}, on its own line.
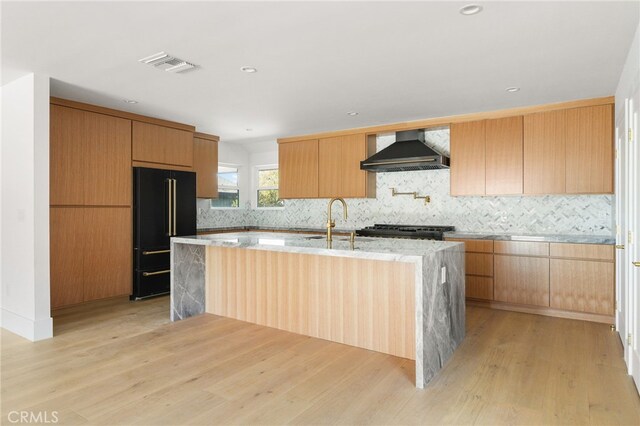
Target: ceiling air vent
{"x": 168, "y": 63}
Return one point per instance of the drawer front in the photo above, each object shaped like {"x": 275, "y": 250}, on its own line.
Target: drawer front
{"x": 522, "y": 280}
{"x": 479, "y": 246}
{"x": 521, "y": 248}
{"x": 479, "y": 287}
{"x": 582, "y": 286}
{"x": 479, "y": 264}
{"x": 150, "y": 283}
{"x": 582, "y": 251}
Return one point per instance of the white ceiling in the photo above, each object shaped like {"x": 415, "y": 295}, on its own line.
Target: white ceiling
{"x": 389, "y": 61}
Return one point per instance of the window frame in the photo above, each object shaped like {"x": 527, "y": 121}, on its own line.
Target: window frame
{"x": 255, "y": 183}
{"x": 228, "y": 187}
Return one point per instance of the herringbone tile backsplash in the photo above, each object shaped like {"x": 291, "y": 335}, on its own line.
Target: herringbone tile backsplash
{"x": 550, "y": 214}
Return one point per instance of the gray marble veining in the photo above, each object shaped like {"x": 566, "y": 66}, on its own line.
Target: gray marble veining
{"x": 439, "y": 304}
{"x": 187, "y": 280}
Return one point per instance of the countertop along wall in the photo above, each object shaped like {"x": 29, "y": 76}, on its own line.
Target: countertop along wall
{"x": 550, "y": 214}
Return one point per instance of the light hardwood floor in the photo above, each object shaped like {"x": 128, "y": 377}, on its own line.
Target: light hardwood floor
{"x": 125, "y": 363}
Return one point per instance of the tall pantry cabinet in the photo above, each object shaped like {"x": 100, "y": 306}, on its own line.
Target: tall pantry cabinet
{"x": 90, "y": 206}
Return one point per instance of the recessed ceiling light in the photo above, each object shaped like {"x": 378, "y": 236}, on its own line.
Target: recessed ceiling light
{"x": 130, "y": 101}
{"x": 352, "y": 113}
{"x": 249, "y": 130}
{"x": 248, "y": 69}
{"x": 512, "y": 89}
{"x": 471, "y": 9}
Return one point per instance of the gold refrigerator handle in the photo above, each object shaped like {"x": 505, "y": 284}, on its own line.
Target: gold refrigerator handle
{"x": 146, "y": 253}
{"x": 175, "y": 197}
{"x": 636, "y": 264}
{"x": 147, "y": 274}
{"x": 169, "y": 203}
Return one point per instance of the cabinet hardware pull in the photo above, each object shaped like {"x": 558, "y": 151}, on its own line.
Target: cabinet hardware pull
{"x": 148, "y": 274}
{"x": 620, "y": 246}
{"x": 175, "y": 199}
{"x": 146, "y": 253}
{"x": 169, "y": 211}
{"x": 636, "y": 264}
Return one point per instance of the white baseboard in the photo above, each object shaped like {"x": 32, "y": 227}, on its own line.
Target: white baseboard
{"x": 26, "y": 327}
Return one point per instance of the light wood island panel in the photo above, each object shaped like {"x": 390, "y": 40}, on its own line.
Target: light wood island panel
{"x": 364, "y": 303}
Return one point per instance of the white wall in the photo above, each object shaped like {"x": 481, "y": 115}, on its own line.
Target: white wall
{"x": 24, "y": 222}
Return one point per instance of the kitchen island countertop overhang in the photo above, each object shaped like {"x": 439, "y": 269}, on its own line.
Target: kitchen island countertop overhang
{"x": 401, "y": 297}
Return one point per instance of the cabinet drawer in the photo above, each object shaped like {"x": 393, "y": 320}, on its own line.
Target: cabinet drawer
{"x": 583, "y": 286}
{"x": 522, "y": 248}
{"x": 582, "y": 251}
{"x": 479, "y": 264}
{"x": 523, "y": 280}
{"x": 479, "y": 287}
{"x": 479, "y": 246}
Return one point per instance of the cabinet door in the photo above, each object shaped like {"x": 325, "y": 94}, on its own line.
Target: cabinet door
{"x": 590, "y": 150}
{"x": 582, "y": 285}
{"x": 504, "y": 146}
{"x": 339, "y": 166}
{"x": 522, "y": 280}
{"x": 108, "y": 252}
{"x": 545, "y": 138}
{"x": 479, "y": 287}
{"x": 159, "y": 144}
{"x": 205, "y": 164}
{"x": 468, "y": 158}
{"x": 106, "y": 172}
{"x": 67, "y": 241}
{"x": 298, "y": 169}
{"x": 66, "y": 156}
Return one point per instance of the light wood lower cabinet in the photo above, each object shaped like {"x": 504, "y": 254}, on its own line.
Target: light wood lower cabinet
{"x": 478, "y": 268}
{"x": 582, "y": 285}
{"x": 522, "y": 280}
{"x": 90, "y": 254}
{"x": 477, "y": 287}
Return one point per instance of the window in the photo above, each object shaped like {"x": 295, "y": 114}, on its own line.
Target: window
{"x": 267, "y": 193}
{"x": 228, "y": 190}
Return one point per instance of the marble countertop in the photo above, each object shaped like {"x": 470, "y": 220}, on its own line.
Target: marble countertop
{"x": 364, "y": 247}
{"x": 550, "y": 238}
{"x": 547, "y": 238}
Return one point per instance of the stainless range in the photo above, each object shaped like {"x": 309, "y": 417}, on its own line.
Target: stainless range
{"x": 405, "y": 231}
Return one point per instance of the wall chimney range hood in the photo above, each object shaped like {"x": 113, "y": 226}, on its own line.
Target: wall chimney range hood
{"x": 409, "y": 152}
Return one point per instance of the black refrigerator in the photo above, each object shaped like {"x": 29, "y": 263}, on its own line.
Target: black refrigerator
{"x": 164, "y": 207}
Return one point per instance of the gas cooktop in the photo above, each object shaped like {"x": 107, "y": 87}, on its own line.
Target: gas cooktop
{"x": 427, "y": 232}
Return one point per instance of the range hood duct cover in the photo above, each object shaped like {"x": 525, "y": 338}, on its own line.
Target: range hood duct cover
{"x": 408, "y": 153}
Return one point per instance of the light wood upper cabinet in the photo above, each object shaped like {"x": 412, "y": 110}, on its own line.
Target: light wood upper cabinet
{"x": 545, "y": 139}
{"x": 159, "y": 144}
{"x": 90, "y": 158}
{"x": 107, "y": 161}
{"x": 205, "y": 164}
{"x": 504, "y": 146}
{"x": 468, "y": 153}
{"x": 298, "y": 169}
{"x": 589, "y": 165}
{"x": 339, "y": 167}
{"x": 66, "y": 156}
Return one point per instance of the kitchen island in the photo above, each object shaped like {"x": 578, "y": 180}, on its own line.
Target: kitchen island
{"x": 401, "y": 297}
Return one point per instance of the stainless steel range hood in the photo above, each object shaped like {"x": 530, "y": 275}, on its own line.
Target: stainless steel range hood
{"x": 408, "y": 152}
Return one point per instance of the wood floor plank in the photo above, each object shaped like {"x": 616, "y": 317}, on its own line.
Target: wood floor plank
{"x": 120, "y": 362}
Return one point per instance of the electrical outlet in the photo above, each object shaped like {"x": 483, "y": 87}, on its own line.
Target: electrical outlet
{"x": 443, "y": 275}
